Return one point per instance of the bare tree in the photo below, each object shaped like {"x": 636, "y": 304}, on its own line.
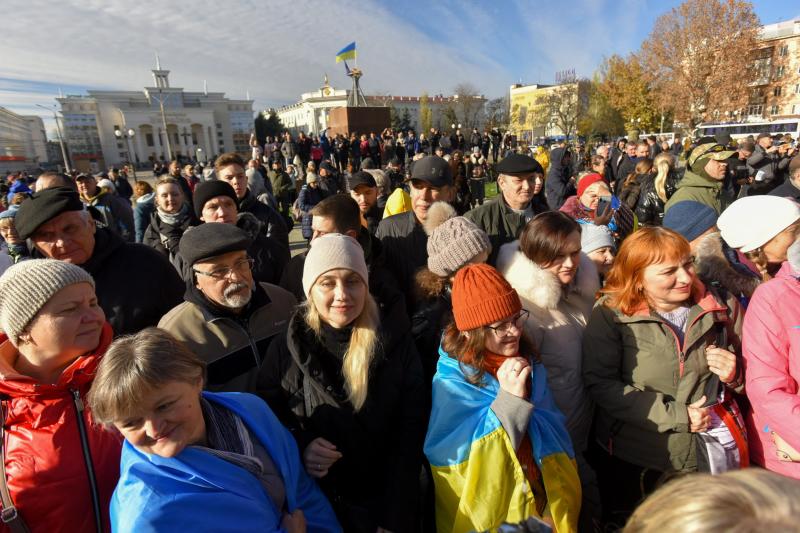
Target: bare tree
{"x": 562, "y": 107}
{"x": 497, "y": 113}
{"x": 468, "y": 105}
{"x": 696, "y": 57}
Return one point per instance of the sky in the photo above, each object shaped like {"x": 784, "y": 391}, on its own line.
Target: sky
{"x": 276, "y": 49}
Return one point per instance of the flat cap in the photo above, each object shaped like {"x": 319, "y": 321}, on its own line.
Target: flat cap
{"x": 518, "y": 164}
{"x": 43, "y": 206}
{"x": 434, "y": 170}
{"x": 212, "y": 239}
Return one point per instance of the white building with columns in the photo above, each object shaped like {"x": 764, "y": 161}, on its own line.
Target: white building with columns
{"x": 198, "y": 124}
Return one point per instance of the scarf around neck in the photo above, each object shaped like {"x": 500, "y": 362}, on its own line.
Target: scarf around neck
{"x": 174, "y": 219}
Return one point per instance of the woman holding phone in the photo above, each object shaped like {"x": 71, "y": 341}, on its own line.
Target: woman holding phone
{"x": 594, "y": 204}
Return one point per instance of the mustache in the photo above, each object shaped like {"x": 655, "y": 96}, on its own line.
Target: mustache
{"x": 234, "y": 288}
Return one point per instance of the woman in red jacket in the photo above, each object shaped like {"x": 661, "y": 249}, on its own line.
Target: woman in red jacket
{"x": 60, "y": 469}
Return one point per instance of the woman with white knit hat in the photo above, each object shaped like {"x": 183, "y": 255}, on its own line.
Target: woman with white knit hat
{"x": 763, "y": 228}
{"x": 59, "y": 468}
{"x": 349, "y": 386}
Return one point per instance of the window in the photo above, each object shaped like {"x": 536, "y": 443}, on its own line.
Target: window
{"x": 776, "y": 91}
{"x": 797, "y": 88}
{"x": 774, "y": 110}
{"x": 779, "y": 72}
{"x": 148, "y": 137}
{"x": 755, "y": 110}
{"x": 784, "y": 51}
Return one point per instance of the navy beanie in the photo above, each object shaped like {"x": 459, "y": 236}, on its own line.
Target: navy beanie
{"x": 690, "y": 219}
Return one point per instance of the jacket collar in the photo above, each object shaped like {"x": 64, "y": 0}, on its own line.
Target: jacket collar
{"x": 701, "y": 297}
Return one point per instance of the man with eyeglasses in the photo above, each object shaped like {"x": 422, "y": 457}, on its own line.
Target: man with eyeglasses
{"x": 227, "y": 318}
{"x": 135, "y": 285}
{"x": 216, "y": 202}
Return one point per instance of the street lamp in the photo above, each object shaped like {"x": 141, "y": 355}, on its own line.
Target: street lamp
{"x": 198, "y": 154}
{"x": 128, "y": 135}
{"x": 60, "y": 136}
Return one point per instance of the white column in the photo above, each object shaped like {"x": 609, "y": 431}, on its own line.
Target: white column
{"x": 157, "y": 142}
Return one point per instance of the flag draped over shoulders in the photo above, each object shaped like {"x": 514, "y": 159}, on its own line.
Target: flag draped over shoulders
{"x": 479, "y": 481}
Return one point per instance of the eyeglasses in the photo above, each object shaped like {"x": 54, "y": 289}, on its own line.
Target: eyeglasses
{"x": 241, "y": 267}
{"x": 516, "y": 321}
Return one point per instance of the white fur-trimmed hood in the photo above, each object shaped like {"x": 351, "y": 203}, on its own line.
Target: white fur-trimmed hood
{"x": 540, "y": 287}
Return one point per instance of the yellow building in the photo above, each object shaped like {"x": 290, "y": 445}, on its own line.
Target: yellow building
{"x": 532, "y": 118}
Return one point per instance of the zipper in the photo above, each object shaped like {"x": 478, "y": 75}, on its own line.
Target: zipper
{"x": 246, "y": 329}
{"x": 682, "y": 347}
{"x": 87, "y": 458}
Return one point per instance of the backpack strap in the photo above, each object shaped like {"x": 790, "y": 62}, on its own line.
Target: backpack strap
{"x": 9, "y": 514}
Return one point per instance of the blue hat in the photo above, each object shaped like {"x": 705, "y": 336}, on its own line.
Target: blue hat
{"x": 11, "y": 212}
{"x": 690, "y": 219}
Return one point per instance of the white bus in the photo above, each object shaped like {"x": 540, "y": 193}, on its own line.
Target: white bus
{"x": 743, "y": 129}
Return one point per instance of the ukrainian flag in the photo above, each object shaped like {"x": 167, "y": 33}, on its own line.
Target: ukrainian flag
{"x": 348, "y": 52}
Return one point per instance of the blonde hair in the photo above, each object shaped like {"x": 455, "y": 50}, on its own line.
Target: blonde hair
{"x": 135, "y": 365}
{"x": 360, "y": 351}
{"x": 741, "y": 501}
{"x": 664, "y": 162}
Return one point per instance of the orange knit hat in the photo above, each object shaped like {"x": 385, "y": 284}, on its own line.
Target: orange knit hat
{"x": 482, "y": 296}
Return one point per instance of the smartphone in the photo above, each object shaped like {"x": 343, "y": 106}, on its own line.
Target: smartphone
{"x": 602, "y": 205}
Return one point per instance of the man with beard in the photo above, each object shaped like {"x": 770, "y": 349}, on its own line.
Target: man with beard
{"x": 364, "y": 191}
{"x": 227, "y": 319}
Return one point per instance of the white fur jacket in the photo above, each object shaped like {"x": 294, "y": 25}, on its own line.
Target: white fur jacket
{"x": 557, "y": 320}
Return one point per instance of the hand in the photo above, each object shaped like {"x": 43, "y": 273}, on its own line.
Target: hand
{"x": 513, "y": 376}
{"x": 722, "y": 363}
{"x": 319, "y": 456}
{"x": 698, "y": 416}
{"x": 295, "y": 522}
{"x": 772, "y": 149}
{"x": 602, "y": 219}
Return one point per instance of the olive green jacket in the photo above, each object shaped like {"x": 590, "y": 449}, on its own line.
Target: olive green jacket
{"x": 694, "y": 187}
{"x": 642, "y": 380}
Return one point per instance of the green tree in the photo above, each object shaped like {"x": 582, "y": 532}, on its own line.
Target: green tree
{"x": 268, "y": 124}
{"x": 601, "y": 118}
{"x": 425, "y": 116}
{"x": 625, "y": 86}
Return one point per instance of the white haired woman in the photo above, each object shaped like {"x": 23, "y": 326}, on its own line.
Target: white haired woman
{"x": 58, "y": 467}
{"x": 350, "y": 388}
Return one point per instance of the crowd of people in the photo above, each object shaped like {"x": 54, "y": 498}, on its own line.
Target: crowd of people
{"x": 615, "y": 326}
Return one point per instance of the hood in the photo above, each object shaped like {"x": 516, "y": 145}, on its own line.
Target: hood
{"x": 539, "y": 286}
{"x": 556, "y": 156}
{"x": 692, "y": 179}
{"x": 713, "y": 266}
{"x": 145, "y": 198}
{"x": 77, "y": 374}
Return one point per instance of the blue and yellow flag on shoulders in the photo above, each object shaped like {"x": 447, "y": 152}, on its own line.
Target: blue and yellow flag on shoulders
{"x": 348, "y": 52}
{"x": 478, "y": 478}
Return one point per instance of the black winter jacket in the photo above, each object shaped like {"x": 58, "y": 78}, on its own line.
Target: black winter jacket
{"x": 405, "y": 248}
{"x": 164, "y": 237}
{"x": 558, "y": 186}
{"x": 376, "y": 482}
{"x": 650, "y": 207}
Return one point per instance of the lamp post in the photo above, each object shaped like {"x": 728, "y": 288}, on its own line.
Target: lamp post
{"x": 60, "y": 137}
{"x": 128, "y": 135}
{"x": 198, "y": 153}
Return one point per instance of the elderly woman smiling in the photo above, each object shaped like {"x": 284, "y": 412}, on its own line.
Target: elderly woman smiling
{"x": 196, "y": 460}
{"x": 60, "y": 469}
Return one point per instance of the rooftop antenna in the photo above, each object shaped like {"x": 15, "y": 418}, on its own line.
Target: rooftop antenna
{"x": 158, "y": 63}
{"x": 60, "y": 94}
{"x": 205, "y": 87}
{"x": 247, "y": 94}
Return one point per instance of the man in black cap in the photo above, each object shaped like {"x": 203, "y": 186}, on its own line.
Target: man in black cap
{"x": 229, "y": 168}
{"x": 227, "y": 318}
{"x": 769, "y": 164}
{"x": 216, "y": 201}
{"x": 520, "y": 180}
{"x": 791, "y": 187}
{"x": 394, "y": 171}
{"x": 364, "y": 191}
{"x": 403, "y": 237}
{"x": 136, "y": 285}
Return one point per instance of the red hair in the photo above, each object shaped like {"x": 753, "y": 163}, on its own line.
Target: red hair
{"x": 624, "y": 286}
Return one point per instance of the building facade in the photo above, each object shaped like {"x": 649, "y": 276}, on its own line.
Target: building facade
{"x": 535, "y": 109}
{"x": 775, "y": 83}
{"x": 192, "y": 125}
{"x": 311, "y": 113}
{"x": 23, "y": 142}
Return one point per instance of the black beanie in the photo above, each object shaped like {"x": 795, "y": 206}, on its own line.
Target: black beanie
{"x": 207, "y": 190}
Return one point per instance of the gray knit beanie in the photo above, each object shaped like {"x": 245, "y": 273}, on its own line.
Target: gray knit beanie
{"x": 595, "y": 237}
{"x": 27, "y": 286}
{"x": 453, "y": 244}
{"x": 330, "y": 252}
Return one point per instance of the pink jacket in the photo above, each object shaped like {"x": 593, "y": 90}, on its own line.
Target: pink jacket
{"x": 771, "y": 349}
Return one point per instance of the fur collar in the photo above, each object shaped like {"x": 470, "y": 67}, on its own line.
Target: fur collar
{"x": 539, "y": 286}
{"x": 713, "y": 266}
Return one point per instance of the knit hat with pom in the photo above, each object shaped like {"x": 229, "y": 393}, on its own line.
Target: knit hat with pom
{"x": 453, "y": 241}
{"x": 481, "y": 296}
